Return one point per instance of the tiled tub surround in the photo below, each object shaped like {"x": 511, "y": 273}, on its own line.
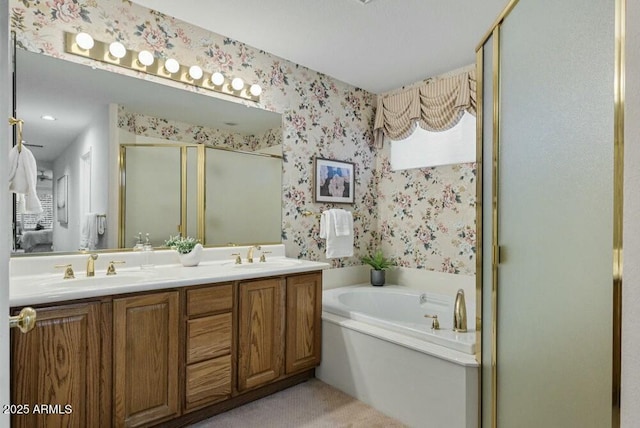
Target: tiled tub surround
{"x": 418, "y": 216}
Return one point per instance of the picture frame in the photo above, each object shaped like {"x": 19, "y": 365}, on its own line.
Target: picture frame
{"x": 62, "y": 208}
{"x": 334, "y": 181}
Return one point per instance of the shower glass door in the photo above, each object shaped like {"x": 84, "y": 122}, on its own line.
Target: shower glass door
{"x": 555, "y": 215}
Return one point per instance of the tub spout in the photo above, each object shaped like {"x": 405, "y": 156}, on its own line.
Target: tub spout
{"x": 460, "y": 313}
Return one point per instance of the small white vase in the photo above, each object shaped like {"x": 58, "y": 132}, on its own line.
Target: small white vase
{"x": 192, "y": 258}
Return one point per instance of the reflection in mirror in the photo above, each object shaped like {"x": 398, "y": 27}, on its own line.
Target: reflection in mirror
{"x": 243, "y": 198}
{"x": 96, "y": 111}
{"x": 152, "y": 201}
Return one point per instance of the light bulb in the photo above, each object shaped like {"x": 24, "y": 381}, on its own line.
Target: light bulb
{"x": 172, "y": 66}
{"x": 195, "y": 72}
{"x": 117, "y": 50}
{"x": 237, "y": 84}
{"x": 217, "y": 79}
{"x": 84, "y": 41}
{"x": 255, "y": 90}
{"x": 145, "y": 58}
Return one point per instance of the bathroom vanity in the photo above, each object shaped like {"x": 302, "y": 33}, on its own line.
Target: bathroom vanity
{"x": 181, "y": 349}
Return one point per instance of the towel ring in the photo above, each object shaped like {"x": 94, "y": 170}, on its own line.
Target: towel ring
{"x": 13, "y": 121}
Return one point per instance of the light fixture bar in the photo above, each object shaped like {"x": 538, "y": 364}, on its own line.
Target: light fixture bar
{"x": 130, "y": 59}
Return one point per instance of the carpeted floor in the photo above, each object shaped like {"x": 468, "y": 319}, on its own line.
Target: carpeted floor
{"x": 309, "y": 404}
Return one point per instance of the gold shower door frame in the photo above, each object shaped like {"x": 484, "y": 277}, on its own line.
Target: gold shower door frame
{"x": 617, "y": 239}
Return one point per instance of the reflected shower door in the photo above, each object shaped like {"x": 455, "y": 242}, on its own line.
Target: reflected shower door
{"x": 243, "y": 198}
{"x": 153, "y": 193}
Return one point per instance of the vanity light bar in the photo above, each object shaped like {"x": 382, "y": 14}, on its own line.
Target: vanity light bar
{"x": 82, "y": 44}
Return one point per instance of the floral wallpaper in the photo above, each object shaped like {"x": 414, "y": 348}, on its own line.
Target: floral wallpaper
{"x": 425, "y": 218}
{"x": 167, "y": 129}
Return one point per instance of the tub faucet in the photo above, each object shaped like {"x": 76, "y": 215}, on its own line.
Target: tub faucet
{"x": 435, "y": 324}
{"x": 250, "y": 253}
{"x": 460, "y": 313}
{"x": 91, "y": 267}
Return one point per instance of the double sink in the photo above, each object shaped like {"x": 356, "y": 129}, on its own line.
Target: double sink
{"x": 51, "y": 287}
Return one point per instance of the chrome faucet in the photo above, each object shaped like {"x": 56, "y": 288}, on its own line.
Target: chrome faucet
{"x": 460, "y": 312}
{"x": 250, "y": 253}
{"x": 91, "y": 267}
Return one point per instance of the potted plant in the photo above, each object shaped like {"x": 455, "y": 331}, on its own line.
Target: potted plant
{"x": 189, "y": 249}
{"x": 379, "y": 263}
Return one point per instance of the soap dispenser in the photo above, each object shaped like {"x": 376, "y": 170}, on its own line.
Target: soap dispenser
{"x": 138, "y": 246}
{"x": 147, "y": 254}
{"x": 137, "y": 249}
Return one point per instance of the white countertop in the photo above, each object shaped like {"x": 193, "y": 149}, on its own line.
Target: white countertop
{"x": 43, "y": 288}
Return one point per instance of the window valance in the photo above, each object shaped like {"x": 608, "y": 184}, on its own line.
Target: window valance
{"x": 436, "y": 105}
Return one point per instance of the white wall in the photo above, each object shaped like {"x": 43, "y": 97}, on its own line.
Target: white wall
{"x": 66, "y": 237}
{"x": 630, "y": 411}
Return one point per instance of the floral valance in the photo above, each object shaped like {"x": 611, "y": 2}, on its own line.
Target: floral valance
{"x": 437, "y": 105}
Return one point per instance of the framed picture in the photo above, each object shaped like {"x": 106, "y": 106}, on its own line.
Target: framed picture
{"x": 62, "y": 208}
{"x": 334, "y": 181}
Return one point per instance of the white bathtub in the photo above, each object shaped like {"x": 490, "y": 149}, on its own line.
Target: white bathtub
{"x": 401, "y": 310}
{"x": 378, "y": 347}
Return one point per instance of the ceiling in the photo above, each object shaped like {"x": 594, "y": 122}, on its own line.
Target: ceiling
{"x": 378, "y": 46}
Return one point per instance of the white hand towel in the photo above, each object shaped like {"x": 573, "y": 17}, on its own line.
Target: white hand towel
{"x": 343, "y": 221}
{"x": 23, "y": 176}
{"x": 89, "y": 235}
{"x": 336, "y": 246}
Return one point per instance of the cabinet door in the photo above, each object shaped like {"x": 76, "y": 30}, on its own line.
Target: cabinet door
{"x": 261, "y": 334}
{"x": 55, "y": 369}
{"x": 303, "y": 322}
{"x": 145, "y": 345}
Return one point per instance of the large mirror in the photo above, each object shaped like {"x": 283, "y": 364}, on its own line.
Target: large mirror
{"x": 94, "y": 198}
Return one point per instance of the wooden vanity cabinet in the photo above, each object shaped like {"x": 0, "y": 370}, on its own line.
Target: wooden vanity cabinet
{"x": 209, "y": 345}
{"x": 260, "y": 332}
{"x": 56, "y": 369}
{"x": 146, "y": 337}
{"x": 303, "y": 322}
{"x": 166, "y": 357}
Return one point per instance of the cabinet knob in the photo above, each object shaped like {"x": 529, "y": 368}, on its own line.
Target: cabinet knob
{"x": 25, "y": 320}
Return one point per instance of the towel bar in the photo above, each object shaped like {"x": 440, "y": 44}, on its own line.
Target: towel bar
{"x": 13, "y": 121}
{"x": 307, "y": 213}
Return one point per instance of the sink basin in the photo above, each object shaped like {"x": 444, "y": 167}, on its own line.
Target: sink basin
{"x": 269, "y": 264}
{"x": 100, "y": 280}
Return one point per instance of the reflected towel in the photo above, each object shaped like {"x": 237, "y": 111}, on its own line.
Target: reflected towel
{"x": 23, "y": 176}
{"x": 337, "y": 246}
{"x": 102, "y": 224}
{"x": 89, "y": 234}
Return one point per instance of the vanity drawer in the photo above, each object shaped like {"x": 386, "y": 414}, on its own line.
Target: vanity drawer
{"x": 208, "y": 337}
{"x": 208, "y": 382}
{"x": 216, "y": 298}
